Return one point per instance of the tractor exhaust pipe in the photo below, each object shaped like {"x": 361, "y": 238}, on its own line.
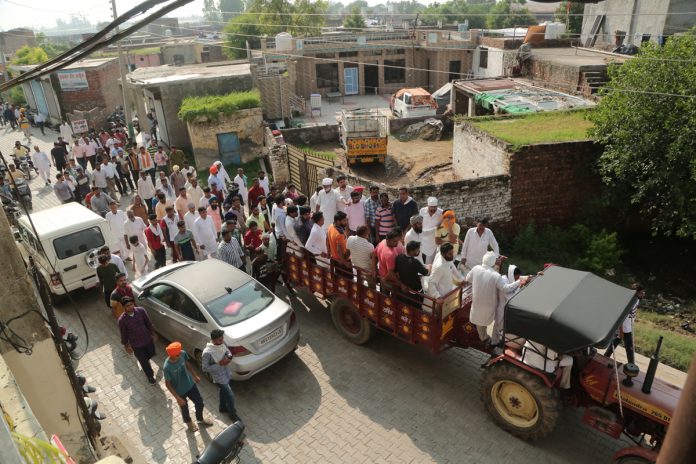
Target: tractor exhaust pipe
{"x": 652, "y": 368}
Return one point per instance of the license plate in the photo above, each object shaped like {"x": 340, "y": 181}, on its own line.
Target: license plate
{"x": 90, "y": 283}
{"x": 271, "y": 336}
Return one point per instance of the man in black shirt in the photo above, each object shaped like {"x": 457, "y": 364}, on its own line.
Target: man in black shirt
{"x": 59, "y": 155}
{"x": 410, "y": 270}
{"x": 403, "y": 209}
{"x": 303, "y": 226}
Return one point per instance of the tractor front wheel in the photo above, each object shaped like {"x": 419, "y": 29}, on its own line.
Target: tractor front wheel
{"x": 350, "y": 323}
{"x": 519, "y": 401}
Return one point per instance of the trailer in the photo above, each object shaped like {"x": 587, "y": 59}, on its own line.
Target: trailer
{"x": 363, "y": 135}
{"x": 563, "y": 312}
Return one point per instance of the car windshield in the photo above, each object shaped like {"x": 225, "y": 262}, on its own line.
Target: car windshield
{"x": 243, "y": 303}
{"x": 78, "y": 242}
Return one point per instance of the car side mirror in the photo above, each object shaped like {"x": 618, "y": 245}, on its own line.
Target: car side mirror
{"x": 16, "y": 235}
{"x": 143, "y": 295}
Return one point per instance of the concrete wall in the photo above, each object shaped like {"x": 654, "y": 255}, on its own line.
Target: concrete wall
{"x": 478, "y": 154}
{"x": 191, "y": 53}
{"x": 551, "y": 182}
{"x": 485, "y": 196}
{"x": 311, "y": 135}
{"x": 248, "y": 124}
{"x": 496, "y": 59}
{"x": 277, "y": 157}
{"x": 145, "y": 61}
{"x": 638, "y": 17}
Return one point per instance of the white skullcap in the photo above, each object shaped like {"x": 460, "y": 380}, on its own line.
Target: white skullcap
{"x": 327, "y": 181}
{"x": 432, "y": 201}
{"x": 489, "y": 259}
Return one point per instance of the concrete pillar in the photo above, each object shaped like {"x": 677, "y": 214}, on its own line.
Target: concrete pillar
{"x": 471, "y": 111}
{"x": 40, "y": 372}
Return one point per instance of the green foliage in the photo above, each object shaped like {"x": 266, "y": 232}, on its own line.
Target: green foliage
{"x": 211, "y": 12}
{"x": 355, "y": 20}
{"x": 300, "y": 17}
{"x": 30, "y": 55}
{"x": 228, "y": 8}
{"x": 458, "y": 11}
{"x": 211, "y": 106}
{"x": 238, "y": 31}
{"x": 37, "y": 451}
{"x": 649, "y": 135}
{"x": 503, "y": 15}
{"x": 577, "y": 247}
{"x": 677, "y": 348}
{"x": 574, "y": 22}
{"x": 551, "y": 126}
{"x": 16, "y": 96}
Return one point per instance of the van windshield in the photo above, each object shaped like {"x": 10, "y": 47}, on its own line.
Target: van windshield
{"x": 78, "y": 242}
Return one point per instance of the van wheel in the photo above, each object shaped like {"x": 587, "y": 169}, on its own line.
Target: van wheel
{"x": 55, "y": 300}
{"x": 350, "y": 323}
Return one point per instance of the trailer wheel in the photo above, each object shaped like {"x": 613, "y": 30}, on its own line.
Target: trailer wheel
{"x": 350, "y": 323}
{"x": 519, "y": 401}
{"x": 633, "y": 460}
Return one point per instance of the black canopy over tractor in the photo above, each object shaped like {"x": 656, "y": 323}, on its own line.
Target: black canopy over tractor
{"x": 567, "y": 310}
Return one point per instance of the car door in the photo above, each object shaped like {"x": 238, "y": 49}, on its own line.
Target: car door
{"x": 187, "y": 323}
{"x": 158, "y": 302}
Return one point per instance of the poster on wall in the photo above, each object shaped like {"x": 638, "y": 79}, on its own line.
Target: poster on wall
{"x": 79, "y": 126}
{"x": 72, "y": 80}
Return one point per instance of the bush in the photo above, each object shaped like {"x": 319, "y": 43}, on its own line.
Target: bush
{"x": 211, "y": 106}
{"x": 577, "y": 247}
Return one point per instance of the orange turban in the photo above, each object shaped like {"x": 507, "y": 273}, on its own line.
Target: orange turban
{"x": 213, "y": 170}
{"x": 174, "y": 349}
{"x": 448, "y": 218}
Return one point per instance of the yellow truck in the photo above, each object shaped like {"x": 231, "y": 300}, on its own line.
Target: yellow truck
{"x": 363, "y": 135}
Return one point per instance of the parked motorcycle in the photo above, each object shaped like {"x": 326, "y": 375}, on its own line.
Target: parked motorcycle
{"x": 23, "y": 193}
{"x": 225, "y": 447}
{"x": 11, "y": 209}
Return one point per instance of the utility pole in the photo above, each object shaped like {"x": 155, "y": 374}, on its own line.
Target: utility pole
{"x": 122, "y": 68}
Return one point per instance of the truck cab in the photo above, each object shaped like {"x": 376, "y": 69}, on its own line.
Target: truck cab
{"x": 412, "y": 103}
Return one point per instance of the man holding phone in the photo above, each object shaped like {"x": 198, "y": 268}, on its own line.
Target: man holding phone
{"x": 215, "y": 361}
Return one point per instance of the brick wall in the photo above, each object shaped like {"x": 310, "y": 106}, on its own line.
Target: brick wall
{"x": 275, "y": 95}
{"x": 103, "y": 92}
{"x": 551, "y": 182}
{"x": 277, "y": 157}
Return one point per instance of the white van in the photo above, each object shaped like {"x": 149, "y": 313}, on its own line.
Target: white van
{"x": 68, "y": 233}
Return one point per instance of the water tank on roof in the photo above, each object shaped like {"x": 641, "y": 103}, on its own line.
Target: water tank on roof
{"x": 283, "y": 41}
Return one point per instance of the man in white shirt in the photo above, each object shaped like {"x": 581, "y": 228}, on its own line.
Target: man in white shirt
{"x": 134, "y": 225}
{"x": 290, "y": 218}
{"x": 223, "y": 178}
{"x": 186, "y": 169}
{"x": 194, "y": 192}
{"x": 116, "y": 219}
{"x": 443, "y": 274}
{"x": 432, "y": 217}
{"x": 417, "y": 233}
{"x": 99, "y": 178}
{"x": 263, "y": 182}
{"x": 316, "y": 243}
{"x": 476, "y": 243}
{"x": 204, "y": 233}
{"x": 191, "y": 216}
{"x": 361, "y": 250}
{"x": 329, "y": 201}
{"x": 146, "y": 189}
{"x": 486, "y": 283}
{"x": 167, "y": 189}
{"x": 241, "y": 183}
{"x": 314, "y": 199}
{"x": 343, "y": 189}
{"x": 42, "y": 163}
{"x": 66, "y": 131}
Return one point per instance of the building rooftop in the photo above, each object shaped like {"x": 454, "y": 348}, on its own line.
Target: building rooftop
{"x": 169, "y": 74}
{"x": 571, "y": 56}
{"x": 505, "y": 95}
{"x": 559, "y": 126}
{"x": 90, "y": 63}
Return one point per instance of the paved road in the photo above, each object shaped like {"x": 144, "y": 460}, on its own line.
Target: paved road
{"x": 332, "y": 401}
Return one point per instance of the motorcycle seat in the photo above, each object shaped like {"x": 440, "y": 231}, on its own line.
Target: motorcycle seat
{"x": 223, "y": 444}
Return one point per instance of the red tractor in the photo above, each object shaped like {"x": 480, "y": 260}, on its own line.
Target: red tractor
{"x": 559, "y": 320}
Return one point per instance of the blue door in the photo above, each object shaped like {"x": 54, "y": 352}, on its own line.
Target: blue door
{"x": 228, "y": 145}
{"x": 39, "y": 97}
{"x": 350, "y": 81}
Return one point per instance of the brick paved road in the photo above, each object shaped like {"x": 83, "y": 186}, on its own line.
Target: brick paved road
{"x": 330, "y": 402}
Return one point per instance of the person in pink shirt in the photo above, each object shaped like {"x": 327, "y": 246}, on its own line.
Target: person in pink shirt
{"x": 384, "y": 259}
{"x": 214, "y": 212}
{"x": 79, "y": 153}
{"x": 355, "y": 211}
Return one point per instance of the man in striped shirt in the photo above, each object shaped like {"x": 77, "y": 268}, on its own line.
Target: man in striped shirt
{"x": 230, "y": 252}
{"x": 384, "y": 218}
{"x": 371, "y": 205}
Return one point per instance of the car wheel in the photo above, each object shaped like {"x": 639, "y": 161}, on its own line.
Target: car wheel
{"x": 198, "y": 356}
{"x": 350, "y": 323}
{"x": 519, "y": 401}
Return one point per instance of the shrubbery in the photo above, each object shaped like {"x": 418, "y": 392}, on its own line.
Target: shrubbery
{"x": 212, "y": 105}
{"x": 577, "y": 247}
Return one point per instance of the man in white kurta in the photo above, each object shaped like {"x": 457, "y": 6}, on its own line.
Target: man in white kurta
{"x": 243, "y": 192}
{"x": 476, "y": 243}
{"x": 432, "y": 217}
{"x": 418, "y": 234}
{"x": 116, "y": 219}
{"x": 222, "y": 176}
{"x": 443, "y": 274}
{"x": 503, "y": 297}
{"x": 329, "y": 202}
{"x": 134, "y": 225}
{"x": 316, "y": 243}
{"x": 204, "y": 233}
{"x": 42, "y": 163}
{"x": 486, "y": 283}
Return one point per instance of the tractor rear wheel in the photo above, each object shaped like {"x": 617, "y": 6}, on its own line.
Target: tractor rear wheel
{"x": 519, "y": 401}
{"x": 350, "y": 323}
{"x": 633, "y": 460}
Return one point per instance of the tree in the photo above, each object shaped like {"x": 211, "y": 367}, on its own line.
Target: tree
{"x": 228, "y": 8}
{"x": 30, "y": 55}
{"x": 211, "y": 12}
{"x": 301, "y": 17}
{"x": 238, "y": 31}
{"x": 503, "y": 15}
{"x": 574, "y": 22}
{"x": 355, "y": 20}
{"x": 649, "y": 135}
